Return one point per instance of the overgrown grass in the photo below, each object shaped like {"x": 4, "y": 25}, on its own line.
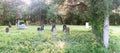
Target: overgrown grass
{"x": 80, "y": 40}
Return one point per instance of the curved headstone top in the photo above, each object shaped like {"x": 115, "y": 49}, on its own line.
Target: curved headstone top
{"x": 22, "y": 26}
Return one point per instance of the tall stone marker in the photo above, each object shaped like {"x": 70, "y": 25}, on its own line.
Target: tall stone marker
{"x": 66, "y": 29}
{"x": 87, "y": 25}
{"x": 54, "y": 30}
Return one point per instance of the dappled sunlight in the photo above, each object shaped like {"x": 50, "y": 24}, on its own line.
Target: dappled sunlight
{"x": 28, "y": 2}
{"x": 114, "y": 30}
{"x": 30, "y": 40}
{"x": 48, "y": 2}
{"x": 60, "y": 44}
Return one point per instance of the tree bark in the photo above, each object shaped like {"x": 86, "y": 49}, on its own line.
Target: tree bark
{"x": 106, "y": 31}
{"x": 42, "y": 20}
{"x": 106, "y": 26}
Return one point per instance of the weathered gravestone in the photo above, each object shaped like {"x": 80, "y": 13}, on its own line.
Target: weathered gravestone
{"x": 39, "y": 29}
{"x": 9, "y": 25}
{"x": 53, "y": 29}
{"x": 42, "y": 27}
{"x": 7, "y": 30}
{"x": 21, "y": 25}
{"x": 66, "y": 29}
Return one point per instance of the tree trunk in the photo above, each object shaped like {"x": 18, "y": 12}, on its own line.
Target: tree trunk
{"x": 106, "y": 31}
{"x": 106, "y": 26}
{"x": 42, "y": 21}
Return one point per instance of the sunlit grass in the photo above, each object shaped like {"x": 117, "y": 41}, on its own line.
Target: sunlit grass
{"x": 80, "y": 40}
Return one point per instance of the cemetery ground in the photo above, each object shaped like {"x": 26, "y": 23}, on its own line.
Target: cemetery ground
{"x": 80, "y": 40}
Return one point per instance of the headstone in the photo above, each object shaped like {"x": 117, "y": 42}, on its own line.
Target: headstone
{"x": 87, "y": 25}
{"x": 21, "y": 26}
{"x": 39, "y": 30}
{"x": 54, "y": 30}
{"x": 66, "y": 29}
{"x": 18, "y": 23}
{"x": 7, "y": 30}
{"x": 53, "y": 26}
{"x": 9, "y": 25}
{"x": 42, "y": 27}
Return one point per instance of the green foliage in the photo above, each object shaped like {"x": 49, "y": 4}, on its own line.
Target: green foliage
{"x": 58, "y": 1}
{"x": 114, "y": 19}
{"x": 116, "y": 3}
{"x": 99, "y": 9}
{"x": 8, "y": 11}
{"x": 52, "y": 11}
{"x": 7, "y": 20}
{"x": 22, "y": 23}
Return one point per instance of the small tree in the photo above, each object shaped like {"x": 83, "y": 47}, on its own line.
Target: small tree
{"x": 100, "y": 20}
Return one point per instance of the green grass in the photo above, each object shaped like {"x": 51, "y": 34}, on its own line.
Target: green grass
{"x": 80, "y": 40}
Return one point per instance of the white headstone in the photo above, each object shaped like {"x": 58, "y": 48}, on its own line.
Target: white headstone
{"x": 87, "y": 24}
{"x": 22, "y": 26}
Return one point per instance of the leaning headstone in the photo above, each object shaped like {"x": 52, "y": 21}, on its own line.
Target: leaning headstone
{"x": 87, "y": 25}
{"x": 66, "y": 29}
{"x": 7, "y": 30}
